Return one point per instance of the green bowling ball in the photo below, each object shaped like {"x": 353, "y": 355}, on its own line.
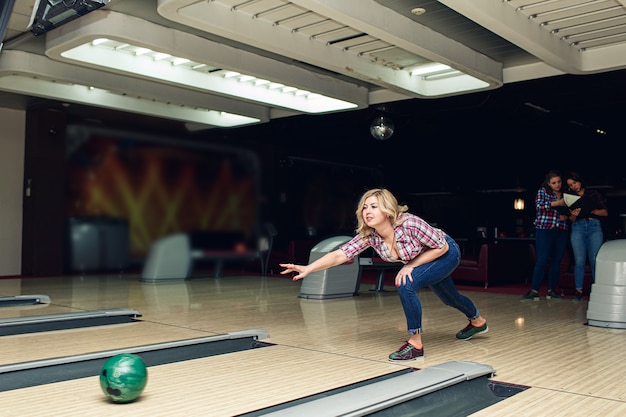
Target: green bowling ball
{"x": 123, "y": 377}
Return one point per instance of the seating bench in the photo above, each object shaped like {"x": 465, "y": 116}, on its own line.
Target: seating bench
{"x": 497, "y": 264}
{"x": 474, "y": 268}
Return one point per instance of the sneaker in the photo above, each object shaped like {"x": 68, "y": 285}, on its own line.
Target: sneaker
{"x": 407, "y": 352}
{"x": 531, "y": 295}
{"x": 578, "y": 295}
{"x": 553, "y": 294}
{"x": 470, "y": 331}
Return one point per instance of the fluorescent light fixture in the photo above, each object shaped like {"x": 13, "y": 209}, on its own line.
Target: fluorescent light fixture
{"x": 443, "y": 74}
{"x": 435, "y": 71}
{"x": 429, "y": 68}
{"x": 441, "y": 84}
{"x": 95, "y": 40}
{"x": 38, "y": 76}
{"x": 77, "y": 93}
{"x": 122, "y": 56}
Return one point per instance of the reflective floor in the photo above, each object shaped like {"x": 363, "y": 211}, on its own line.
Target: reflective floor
{"x": 572, "y": 369}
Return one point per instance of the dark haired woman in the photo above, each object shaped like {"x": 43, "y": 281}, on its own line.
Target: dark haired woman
{"x": 428, "y": 256}
{"x": 551, "y": 235}
{"x": 587, "y": 236}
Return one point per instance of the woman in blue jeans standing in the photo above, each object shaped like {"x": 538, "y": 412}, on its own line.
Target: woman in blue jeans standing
{"x": 551, "y": 234}
{"x": 587, "y": 236}
{"x": 428, "y": 257}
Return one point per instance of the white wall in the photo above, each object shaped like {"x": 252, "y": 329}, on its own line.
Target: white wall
{"x": 12, "y": 140}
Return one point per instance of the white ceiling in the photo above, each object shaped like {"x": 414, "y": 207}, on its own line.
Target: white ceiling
{"x": 362, "y": 45}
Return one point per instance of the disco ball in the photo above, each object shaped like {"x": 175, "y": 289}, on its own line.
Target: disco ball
{"x": 381, "y": 128}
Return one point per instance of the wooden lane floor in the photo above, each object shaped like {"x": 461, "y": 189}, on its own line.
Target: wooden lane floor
{"x": 538, "y": 401}
{"x": 321, "y": 344}
{"x": 224, "y": 385}
{"x": 61, "y": 343}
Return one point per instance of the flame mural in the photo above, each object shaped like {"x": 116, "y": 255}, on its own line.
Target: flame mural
{"x": 162, "y": 189}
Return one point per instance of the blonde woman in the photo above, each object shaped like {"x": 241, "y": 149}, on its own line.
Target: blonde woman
{"x": 428, "y": 255}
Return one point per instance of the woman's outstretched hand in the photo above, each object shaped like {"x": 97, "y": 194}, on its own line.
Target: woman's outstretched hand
{"x": 299, "y": 269}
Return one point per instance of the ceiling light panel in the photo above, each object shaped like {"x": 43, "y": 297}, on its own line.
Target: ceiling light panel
{"x": 39, "y": 76}
{"x": 122, "y": 56}
{"x": 344, "y": 37}
{"x": 573, "y": 36}
{"x": 84, "y": 94}
{"x": 124, "y": 44}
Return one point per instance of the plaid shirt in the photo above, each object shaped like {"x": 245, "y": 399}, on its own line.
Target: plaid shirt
{"x": 413, "y": 237}
{"x": 547, "y": 216}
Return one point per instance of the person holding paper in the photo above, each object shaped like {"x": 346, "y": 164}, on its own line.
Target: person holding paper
{"x": 551, "y": 235}
{"x": 587, "y": 236}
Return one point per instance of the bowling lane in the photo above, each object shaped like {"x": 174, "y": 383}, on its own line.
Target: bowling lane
{"x": 36, "y": 346}
{"x": 27, "y": 310}
{"x": 222, "y": 385}
{"x": 540, "y": 401}
{"x": 63, "y": 321}
{"x": 46, "y": 371}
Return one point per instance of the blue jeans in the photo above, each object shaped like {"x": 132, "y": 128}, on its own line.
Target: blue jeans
{"x": 550, "y": 244}
{"x": 436, "y": 275}
{"x": 586, "y": 238}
